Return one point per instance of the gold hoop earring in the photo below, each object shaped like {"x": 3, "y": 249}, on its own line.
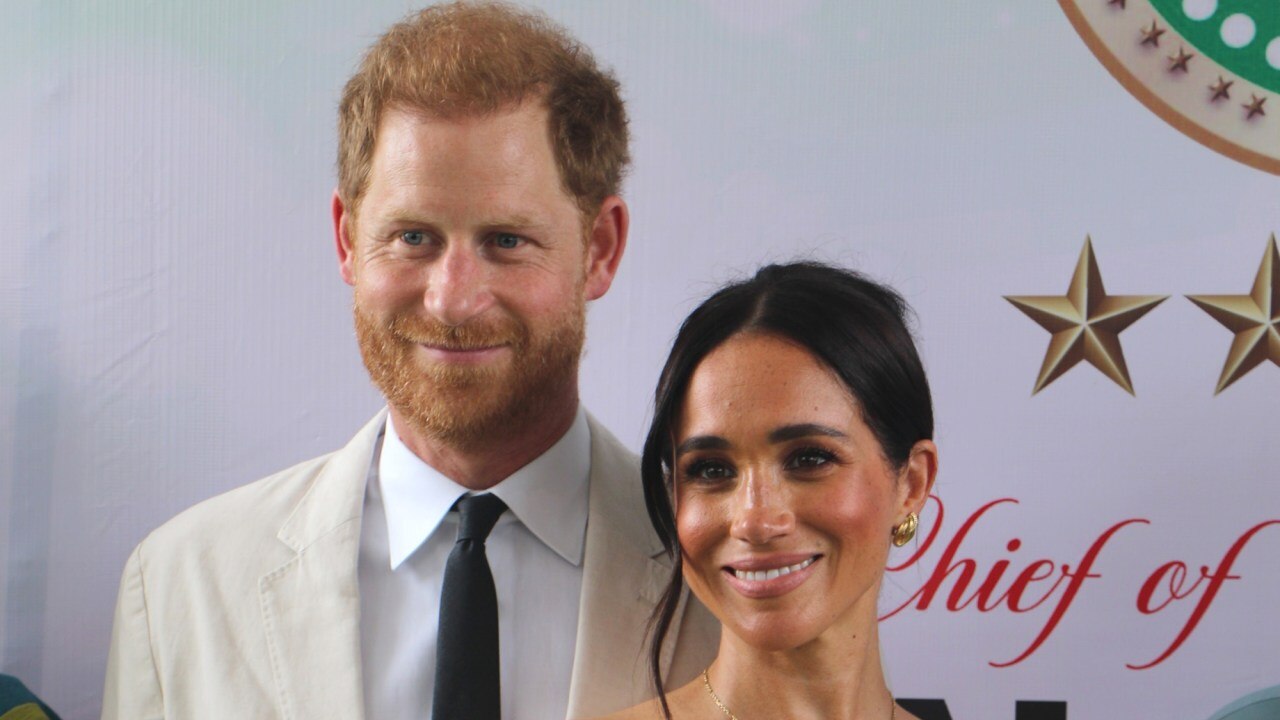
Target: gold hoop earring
{"x": 904, "y": 531}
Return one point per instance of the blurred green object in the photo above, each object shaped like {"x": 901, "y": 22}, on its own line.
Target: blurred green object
{"x": 19, "y": 703}
{"x": 1261, "y": 705}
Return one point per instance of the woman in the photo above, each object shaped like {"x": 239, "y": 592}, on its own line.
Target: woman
{"x": 791, "y": 445}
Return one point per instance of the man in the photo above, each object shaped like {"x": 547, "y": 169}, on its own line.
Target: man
{"x": 480, "y": 157}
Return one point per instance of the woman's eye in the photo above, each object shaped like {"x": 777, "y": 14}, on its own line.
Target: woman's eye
{"x": 707, "y": 470}
{"x": 413, "y": 237}
{"x": 810, "y": 458}
{"x": 507, "y": 241}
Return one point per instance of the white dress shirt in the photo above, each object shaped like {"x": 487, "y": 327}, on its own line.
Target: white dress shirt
{"x": 535, "y": 553}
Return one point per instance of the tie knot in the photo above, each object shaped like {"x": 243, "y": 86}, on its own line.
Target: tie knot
{"x": 478, "y": 514}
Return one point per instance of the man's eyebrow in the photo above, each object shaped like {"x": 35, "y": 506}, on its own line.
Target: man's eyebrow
{"x": 404, "y": 217}
{"x": 793, "y": 432}
{"x": 702, "y": 442}
{"x": 516, "y": 221}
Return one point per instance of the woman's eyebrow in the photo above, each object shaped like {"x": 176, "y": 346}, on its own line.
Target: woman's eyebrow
{"x": 702, "y": 442}
{"x": 792, "y": 432}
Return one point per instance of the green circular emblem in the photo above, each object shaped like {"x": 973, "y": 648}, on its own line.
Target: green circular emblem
{"x": 1211, "y": 68}
{"x": 1243, "y": 36}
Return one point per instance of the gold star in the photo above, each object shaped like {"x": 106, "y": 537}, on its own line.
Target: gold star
{"x": 1085, "y": 323}
{"x": 1221, "y": 90}
{"x": 1254, "y": 318}
{"x": 1179, "y": 62}
{"x": 1255, "y": 107}
{"x": 1151, "y": 35}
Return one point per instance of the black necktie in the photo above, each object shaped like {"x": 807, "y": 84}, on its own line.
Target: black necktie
{"x": 467, "y": 681}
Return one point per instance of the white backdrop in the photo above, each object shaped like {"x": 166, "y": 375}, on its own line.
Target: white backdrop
{"x": 172, "y": 323}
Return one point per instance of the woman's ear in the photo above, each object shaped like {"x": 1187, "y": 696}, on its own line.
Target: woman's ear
{"x": 917, "y": 476}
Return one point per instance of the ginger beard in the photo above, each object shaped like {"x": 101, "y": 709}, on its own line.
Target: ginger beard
{"x": 468, "y": 405}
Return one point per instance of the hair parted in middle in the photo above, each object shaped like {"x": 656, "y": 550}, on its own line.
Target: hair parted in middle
{"x": 854, "y": 326}
{"x": 469, "y": 59}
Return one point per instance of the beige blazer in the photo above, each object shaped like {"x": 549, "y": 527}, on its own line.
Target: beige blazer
{"x": 247, "y": 606}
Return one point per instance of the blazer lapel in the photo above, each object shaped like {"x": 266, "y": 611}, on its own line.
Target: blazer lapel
{"x": 311, "y": 604}
{"x": 624, "y": 574}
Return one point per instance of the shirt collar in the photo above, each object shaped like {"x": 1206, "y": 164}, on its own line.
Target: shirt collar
{"x": 549, "y": 495}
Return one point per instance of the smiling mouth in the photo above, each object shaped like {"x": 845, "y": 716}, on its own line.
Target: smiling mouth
{"x": 460, "y": 348}
{"x": 455, "y": 356}
{"x": 764, "y": 575}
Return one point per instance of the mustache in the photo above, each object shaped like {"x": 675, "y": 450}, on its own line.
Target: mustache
{"x": 471, "y": 336}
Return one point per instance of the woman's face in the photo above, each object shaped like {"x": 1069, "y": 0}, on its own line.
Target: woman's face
{"x": 784, "y": 499}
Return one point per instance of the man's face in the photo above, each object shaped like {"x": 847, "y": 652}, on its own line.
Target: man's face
{"x": 471, "y": 269}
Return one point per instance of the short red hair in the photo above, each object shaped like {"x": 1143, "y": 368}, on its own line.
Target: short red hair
{"x": 473, "y": 58}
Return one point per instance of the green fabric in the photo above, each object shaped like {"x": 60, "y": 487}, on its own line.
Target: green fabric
{"x": 19, "y": 703}
{"x": 29, "y": 711}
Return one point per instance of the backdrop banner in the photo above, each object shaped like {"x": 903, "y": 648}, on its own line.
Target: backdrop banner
{"x": 1079, "y": 199}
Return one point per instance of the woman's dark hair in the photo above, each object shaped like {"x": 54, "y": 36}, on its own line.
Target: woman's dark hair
{"x": 855, "y": 326}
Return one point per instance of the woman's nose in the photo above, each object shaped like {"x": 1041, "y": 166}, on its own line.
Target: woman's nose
{"x": 762, "y": 512}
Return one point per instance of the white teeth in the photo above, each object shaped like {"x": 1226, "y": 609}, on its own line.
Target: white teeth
{"x": 762, "y": 575}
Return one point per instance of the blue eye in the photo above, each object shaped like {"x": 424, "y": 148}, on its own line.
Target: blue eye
{"x": 507, "y": 241}
{"x": 413, "y": 237}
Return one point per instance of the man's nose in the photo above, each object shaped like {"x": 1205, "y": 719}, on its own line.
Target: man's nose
{"x": 458, "y": 286}
{"x": 762, "y": 511}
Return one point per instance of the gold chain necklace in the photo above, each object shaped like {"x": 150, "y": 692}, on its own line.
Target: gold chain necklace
{"x": 706, "y": 683}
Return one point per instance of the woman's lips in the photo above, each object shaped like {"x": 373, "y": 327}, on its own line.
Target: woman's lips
{"x": 771, "y": 576}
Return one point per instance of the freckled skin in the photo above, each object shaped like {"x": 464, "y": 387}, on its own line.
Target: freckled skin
{"x": 841, "y": 509}
{"x": 460, "y": 178}
{"x": 774, "y": 462}
{"x": 471, "y": 266}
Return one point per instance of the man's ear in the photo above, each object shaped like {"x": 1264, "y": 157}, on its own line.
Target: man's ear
{"x": 606, "y": 242}
{"x": 916, "y": 481}
{"x": 342, "y": 239}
